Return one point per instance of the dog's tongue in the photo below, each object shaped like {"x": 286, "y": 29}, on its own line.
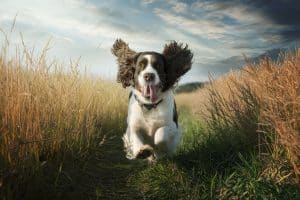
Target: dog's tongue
{"x": 150, "y": 91}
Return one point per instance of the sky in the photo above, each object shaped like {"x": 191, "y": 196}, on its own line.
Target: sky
{"x": 219, "y": 32}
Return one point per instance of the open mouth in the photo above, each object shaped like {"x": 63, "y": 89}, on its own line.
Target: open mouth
{"x": 150, "y": 92}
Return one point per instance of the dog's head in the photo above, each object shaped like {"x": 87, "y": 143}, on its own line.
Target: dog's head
{"x": 151, "y": 73}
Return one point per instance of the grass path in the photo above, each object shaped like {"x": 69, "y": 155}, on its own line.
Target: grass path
{"x": 114, "y": 170}
{"x": 103, "y": 175}
{"x": 205, "y": 167}
{"x": 96, "y": 173}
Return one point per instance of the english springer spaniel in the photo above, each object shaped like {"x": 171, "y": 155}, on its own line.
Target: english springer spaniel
{"x": 153, "y": 130}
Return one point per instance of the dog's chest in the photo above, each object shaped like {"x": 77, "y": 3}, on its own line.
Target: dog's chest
{"x": 151, "y": 119}
{"x": 158, "y": 116}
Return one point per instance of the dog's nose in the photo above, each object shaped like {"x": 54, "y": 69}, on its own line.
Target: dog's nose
{"x": 149, "y": 76}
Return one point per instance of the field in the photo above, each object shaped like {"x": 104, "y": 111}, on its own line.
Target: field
{"x": 61, "y": 135}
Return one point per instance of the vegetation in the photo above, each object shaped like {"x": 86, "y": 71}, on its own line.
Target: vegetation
{"x": 260, "y": 103}
{"x": 189, "y": 87}
{"x": 61, "y": 135}
{"x": 52, "y": 123}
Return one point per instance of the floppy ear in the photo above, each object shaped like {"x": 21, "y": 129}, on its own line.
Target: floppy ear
{"x": 126, "y": 58}
{"x": 178, "y": 61}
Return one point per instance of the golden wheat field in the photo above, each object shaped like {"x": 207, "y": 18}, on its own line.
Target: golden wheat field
{"x": 44, "y": 109}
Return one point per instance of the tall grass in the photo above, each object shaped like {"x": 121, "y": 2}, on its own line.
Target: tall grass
{"x": 261, "y": 104}
{"x": 48, "y": 111}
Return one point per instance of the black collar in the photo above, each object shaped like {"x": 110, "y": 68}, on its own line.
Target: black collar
{"x": 148, "y": 106}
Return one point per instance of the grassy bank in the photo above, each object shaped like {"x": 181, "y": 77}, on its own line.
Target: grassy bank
{"x": 260, "y": 103}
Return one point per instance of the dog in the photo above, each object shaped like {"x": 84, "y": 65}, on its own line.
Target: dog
{"x": 152, "y": 130}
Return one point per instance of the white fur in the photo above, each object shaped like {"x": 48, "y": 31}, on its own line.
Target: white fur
{"x": 162, "y": 134}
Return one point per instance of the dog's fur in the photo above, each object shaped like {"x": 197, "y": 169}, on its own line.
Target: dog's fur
{"x": 152, "y": 130}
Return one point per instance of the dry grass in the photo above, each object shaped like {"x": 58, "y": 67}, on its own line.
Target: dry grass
{"x": 261, "y": 102}
{"x": 46, "y": 109}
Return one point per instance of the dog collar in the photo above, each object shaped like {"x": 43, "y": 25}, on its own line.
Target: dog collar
{"x": 148, "y": 106}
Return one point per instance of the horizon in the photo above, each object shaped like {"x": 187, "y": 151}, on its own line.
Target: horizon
{"x": 218, "y": 32}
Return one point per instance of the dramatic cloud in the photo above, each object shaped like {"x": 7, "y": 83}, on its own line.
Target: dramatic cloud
{"x": 282, "y": 12}
{"x": 280, "y": 18}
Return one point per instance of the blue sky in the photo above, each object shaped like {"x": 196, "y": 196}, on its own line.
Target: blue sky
{"x": 216, "y": 31}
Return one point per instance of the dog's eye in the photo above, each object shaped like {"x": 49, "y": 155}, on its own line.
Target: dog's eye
{"x": 141, "y": 65}
{"x": 157, "y": 65}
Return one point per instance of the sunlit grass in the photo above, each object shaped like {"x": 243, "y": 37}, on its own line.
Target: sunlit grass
{"x": 49, "y": 112}
{"x": 260, "y": 105}
{"x": 210, "y": 166}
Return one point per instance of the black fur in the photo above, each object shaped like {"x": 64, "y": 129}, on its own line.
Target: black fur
{"x": 175, "y": 115}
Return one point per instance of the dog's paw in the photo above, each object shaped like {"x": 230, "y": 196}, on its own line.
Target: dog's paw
{"x": 145, "y": 152}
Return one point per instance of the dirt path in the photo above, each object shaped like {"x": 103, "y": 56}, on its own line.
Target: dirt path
{"x": 108, "y": 171}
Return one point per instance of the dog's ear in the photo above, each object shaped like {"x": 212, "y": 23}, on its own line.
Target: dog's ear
{"x": 126, "y": 59}
{"x": 178, "y": 58}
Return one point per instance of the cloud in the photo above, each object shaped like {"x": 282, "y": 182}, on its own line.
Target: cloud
{"x": 198, "y": 26}
{"x": 281, "y": 12}
{"x": 178, "y": 6}
{"x": 280, "y": 18}
{"x": 233, "y": 24}
{"x": 147, "y": 2}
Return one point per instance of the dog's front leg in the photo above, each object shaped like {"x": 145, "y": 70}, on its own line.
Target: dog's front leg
{"x": 135, "y": 146}
{"x": 166, "y": 139}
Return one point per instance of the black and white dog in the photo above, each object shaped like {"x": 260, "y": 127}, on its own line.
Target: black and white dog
{"x": 153, "y": 130}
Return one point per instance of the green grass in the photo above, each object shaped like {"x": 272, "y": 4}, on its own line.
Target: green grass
{"x": 206, "y": 166}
